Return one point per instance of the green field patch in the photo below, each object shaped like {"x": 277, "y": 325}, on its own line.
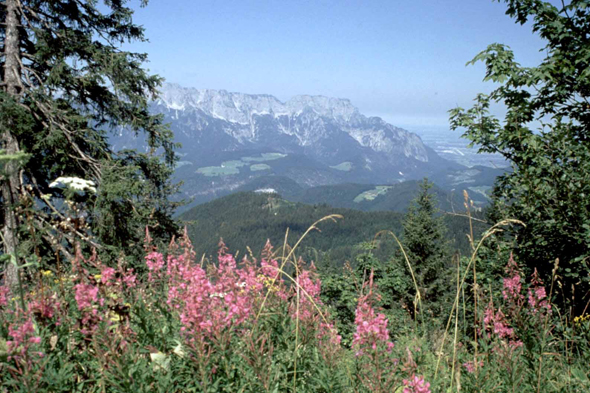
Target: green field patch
{"x": 218, "y": 171}
{"x": 482, "y": 190}
{"x": 233, "y": 164}
{"x": 343, "y": 166}
{"x": 231, "y": 167}
{"x": 259, "y": 167}
{"x": 183, "y": 163}
{"x": 264, "y": 157}
{"x": 372, "y": 194}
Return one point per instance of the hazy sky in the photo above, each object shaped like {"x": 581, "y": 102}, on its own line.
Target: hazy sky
{"x": 401, "y": 60}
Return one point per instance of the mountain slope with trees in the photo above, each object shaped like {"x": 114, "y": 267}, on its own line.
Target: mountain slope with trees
{"x": 249, "y": 219}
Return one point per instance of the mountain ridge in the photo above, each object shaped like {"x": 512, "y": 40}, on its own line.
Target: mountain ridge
{"x": 303, "y": 120}
{"x": 231, "y": 139}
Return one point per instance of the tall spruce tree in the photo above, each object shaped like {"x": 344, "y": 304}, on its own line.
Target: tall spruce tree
{"x": 425, "y": 243}
{"x": 65, "y": 84}
{"x": 545, "y": 136}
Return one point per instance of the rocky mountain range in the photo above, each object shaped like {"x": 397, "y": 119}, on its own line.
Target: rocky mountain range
{"x": 230, "y": 139}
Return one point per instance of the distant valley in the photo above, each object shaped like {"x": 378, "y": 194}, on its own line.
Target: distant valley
{"x": 305, "y": 149}
{"x": 449, "y": 145}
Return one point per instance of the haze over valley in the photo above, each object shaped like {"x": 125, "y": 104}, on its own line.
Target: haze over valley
{"x": 235, "y": 141}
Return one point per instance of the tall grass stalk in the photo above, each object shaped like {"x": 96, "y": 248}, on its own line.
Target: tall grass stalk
{"x": 456, "y": 323}
{"x": 494, "y": 229}
{"x": 418, "y": 298}
{"x": 331, "y": 217}
{"x": 544, "y": 339}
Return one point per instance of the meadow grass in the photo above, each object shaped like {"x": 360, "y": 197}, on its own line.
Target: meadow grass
{"x": 259, "y": 324}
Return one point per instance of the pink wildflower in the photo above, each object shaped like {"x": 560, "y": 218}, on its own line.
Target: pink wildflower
{"x": 35, "y": 340}
{"x": 512, "y": 284}
{"x": 308, "y": 295}
{"x": 85, "y": 295}
{"x": 512, "y": 287}
{"x": 329, "y": 332}
{"x": 106, "y": 275}
{"x": 270, "y": 268}
{"x": 495, "y": 321}
{"x": 271, "y": 276}
{"x": 4, "y": 295}
{"x": 129, "y": 278}
{"x": 470, "y": 366}
{"x": 500, "y": 326}
{"x": 155, "y": 263}
{"x": 44, "y": 307}
{"x": 515, "y": 344}
{"x": 537, "y": 296}
{"x": 371, "y": 328}
{"x": 208, "y": 306}
{"x": 416, "y": 385}
{"x": 22, "y": 335}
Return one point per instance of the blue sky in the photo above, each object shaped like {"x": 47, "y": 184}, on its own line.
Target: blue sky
{"x": 401, "y": 60}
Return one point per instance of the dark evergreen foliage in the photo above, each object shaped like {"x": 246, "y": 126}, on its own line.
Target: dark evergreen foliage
{"x": 74, "y": 84}
{"x": 426, "y": 245}
{"x": 248, "y": 219}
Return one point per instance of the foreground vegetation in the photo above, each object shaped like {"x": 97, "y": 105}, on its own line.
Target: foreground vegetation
{"x": 275, "y": 324}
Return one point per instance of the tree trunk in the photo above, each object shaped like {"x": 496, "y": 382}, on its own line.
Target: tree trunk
{"x": 8, "y": 141}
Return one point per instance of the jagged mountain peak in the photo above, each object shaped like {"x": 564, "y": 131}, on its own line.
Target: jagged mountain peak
{"x": 240, "y": 107}
{"x": 331, "y": 130}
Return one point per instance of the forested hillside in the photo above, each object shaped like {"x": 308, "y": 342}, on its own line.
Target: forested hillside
{"x": 249, "y": 219}
{"x": 395, "y": 197}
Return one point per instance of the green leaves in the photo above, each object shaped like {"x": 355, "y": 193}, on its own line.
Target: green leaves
{"x": 545, "y": 136}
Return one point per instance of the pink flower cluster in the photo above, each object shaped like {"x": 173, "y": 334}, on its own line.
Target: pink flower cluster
{"x": 23, "y": 335}
{"x": 155, "y": 262}
{"x": 210, "y": 304}
{"x": 371, "y": 328}
{"x": 269, "y": 269}
{"x": 85, "y": 295}
{"x": 88, "y": 301}
{"x": 109, "y": 277}
{"x": 106, "y": 275}
{"x": 271, "y": 275}
{"x": 309, "y": 293}
{"x": 496, "y": 321}
{"x": 470, "y": 366}
{"x": 512, "y": 283}
{"x": 226, "y": 297}
{"x": 416, "y": 384}
{"x": 537, "y": 296}
{"x": 45, "y": 307}
{"x": 328, "y": 335}
{"x": 4, "y": 291}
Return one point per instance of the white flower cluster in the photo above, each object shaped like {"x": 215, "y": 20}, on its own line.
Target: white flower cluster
{"x": 74, "y": 183}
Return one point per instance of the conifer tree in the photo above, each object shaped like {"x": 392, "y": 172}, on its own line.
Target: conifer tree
{"x": 65, "y": 83}
{"x": 425, "y": 244}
